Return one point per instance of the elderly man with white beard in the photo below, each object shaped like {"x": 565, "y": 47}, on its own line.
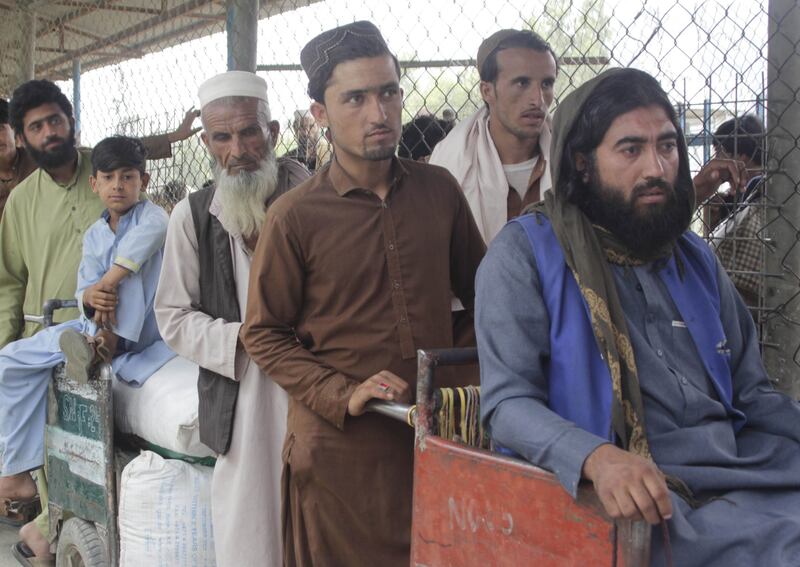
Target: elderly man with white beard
{"x": 200, "y": 304}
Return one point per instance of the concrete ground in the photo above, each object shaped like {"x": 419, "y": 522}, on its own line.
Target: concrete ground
{"x": 8, "y": 537}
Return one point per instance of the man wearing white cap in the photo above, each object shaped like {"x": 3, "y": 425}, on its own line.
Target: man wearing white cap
{"x": 200, "y": 303}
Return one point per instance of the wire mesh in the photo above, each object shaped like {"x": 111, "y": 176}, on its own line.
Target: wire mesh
{"x": 141, "y": 62}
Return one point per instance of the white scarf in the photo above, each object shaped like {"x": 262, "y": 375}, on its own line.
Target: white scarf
{"x": 469, "y": 153}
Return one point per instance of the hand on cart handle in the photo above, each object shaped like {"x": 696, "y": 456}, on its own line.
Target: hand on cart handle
{"x": 50, "y": 306}
{"x": 384, "y": 385}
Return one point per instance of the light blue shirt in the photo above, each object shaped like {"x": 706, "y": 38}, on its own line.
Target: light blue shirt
{"x": 138, "y": 246}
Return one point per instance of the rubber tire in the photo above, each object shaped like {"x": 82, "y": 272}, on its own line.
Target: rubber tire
{"x": 79, "y": 545}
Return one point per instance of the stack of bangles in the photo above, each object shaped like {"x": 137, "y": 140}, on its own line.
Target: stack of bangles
{"x": 411, "y": 416}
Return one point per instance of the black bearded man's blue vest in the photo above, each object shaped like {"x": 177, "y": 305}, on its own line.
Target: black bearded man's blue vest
{"x": 579, "y": 379}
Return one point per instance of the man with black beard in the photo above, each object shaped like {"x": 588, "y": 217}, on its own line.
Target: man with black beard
{"x": 41, "y": 234}
{"x": 614, "y": 348}
{"x": 47, "y": 213}
{"x": 200, "y": 304}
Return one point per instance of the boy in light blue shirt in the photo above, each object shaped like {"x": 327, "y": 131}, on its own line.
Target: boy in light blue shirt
{"x": 117, "y": 279}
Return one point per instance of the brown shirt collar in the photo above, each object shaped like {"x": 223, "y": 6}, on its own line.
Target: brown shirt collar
{"x": 538, "y": 170}
{"x": 343, "y": 182}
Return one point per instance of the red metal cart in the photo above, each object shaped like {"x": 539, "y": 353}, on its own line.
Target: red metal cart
{"x": 475, "y": 507}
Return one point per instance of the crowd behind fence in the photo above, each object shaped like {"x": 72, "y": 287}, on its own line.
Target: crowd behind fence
{"x": 712, "y": 57}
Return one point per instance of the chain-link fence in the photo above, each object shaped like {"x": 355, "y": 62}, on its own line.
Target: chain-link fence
{"x": 137, "y": 65}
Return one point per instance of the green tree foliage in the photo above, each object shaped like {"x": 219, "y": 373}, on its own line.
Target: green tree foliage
{"x": 582, "y": 36}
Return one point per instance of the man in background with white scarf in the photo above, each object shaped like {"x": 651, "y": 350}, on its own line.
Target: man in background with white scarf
{"x": 200, "y": 304}
{"x": 499, "y": 154}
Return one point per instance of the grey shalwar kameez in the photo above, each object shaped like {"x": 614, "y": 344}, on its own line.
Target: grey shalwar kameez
{"x": 756, "y": 471}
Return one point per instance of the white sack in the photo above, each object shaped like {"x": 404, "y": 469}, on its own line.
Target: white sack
{"x": 164, "y": 410}
{"x": 165, "y": 514}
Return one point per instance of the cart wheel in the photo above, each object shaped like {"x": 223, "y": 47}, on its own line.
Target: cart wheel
{"x": 79, "y": 545}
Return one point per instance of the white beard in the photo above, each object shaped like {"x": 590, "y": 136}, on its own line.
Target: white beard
{"x": 243, "y": 196}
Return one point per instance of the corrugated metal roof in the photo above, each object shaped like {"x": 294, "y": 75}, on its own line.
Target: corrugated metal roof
{"x": 104, "y": 32}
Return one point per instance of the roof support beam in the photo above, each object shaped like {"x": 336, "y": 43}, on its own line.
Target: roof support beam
{"x": 108, "y": 58}
{"x": 54, "y": 25}
{"x": 130, "y": 32}
{"x": 112, "y": 8}
{"x": 122, "y": 47}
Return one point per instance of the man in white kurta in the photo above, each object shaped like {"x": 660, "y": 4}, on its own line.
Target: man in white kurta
{"x": 499, "y": 155}
{"x": 246, "y": 481}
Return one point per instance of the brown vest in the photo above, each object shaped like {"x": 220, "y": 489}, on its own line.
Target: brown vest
{"x": 218, "y": 300}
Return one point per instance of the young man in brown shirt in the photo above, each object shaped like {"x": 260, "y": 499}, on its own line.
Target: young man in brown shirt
{"x": 15, "y": 163}
{"x": 353, "y": 272}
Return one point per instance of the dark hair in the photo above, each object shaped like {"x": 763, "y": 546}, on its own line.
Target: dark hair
{"x": 522, "y": 38}
{"x": 34, "y": 94}
{"x": 356, "y": 48}
{"x": 118, "y": 152}
{"x": 421, "y": 135}
{"x": 619, "y": 94}
{"x": 743, "y": 135}
{"x": 3, "y": 111}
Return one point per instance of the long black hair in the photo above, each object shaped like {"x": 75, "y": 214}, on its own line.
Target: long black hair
{"x": 619, "y": 94}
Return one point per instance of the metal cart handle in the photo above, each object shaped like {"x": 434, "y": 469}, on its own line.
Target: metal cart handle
{"x": 427, "y": 361}
{"x": 401, "y": 412}
{"x": 51, "y": 305}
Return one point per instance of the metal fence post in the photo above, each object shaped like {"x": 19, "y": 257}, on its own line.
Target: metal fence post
{"x": 782, "y": 298}
{"x": 26, "y": 62}
{"x": 242, "y": 32}
{"x": 76, "y": 93}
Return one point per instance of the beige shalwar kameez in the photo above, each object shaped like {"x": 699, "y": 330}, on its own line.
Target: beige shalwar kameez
{"x": 246, "y": 483}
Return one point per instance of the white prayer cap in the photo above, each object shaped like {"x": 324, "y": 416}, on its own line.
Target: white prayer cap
{"x": 232, "y": 83}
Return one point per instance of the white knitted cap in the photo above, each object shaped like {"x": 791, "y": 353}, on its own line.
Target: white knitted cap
{"x": 232, "y": 83}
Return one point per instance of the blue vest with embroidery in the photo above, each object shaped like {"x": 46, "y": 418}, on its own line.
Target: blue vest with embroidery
{"x": 579, "y": 380}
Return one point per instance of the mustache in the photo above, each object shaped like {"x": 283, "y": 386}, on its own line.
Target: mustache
{"x": 655, "y": 183}
{"x": 379, "y": 128}
{"x": 54, "y": 139}
{"x": 234, "y": 162}
{"x": 537, "y": 112}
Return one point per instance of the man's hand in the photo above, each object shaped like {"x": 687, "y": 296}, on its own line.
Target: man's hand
{"x": 383, "y": 386}
{"x": 715, "y": 173}
{"x": 628, "y": 485}
{"x": 185, "y": 130}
